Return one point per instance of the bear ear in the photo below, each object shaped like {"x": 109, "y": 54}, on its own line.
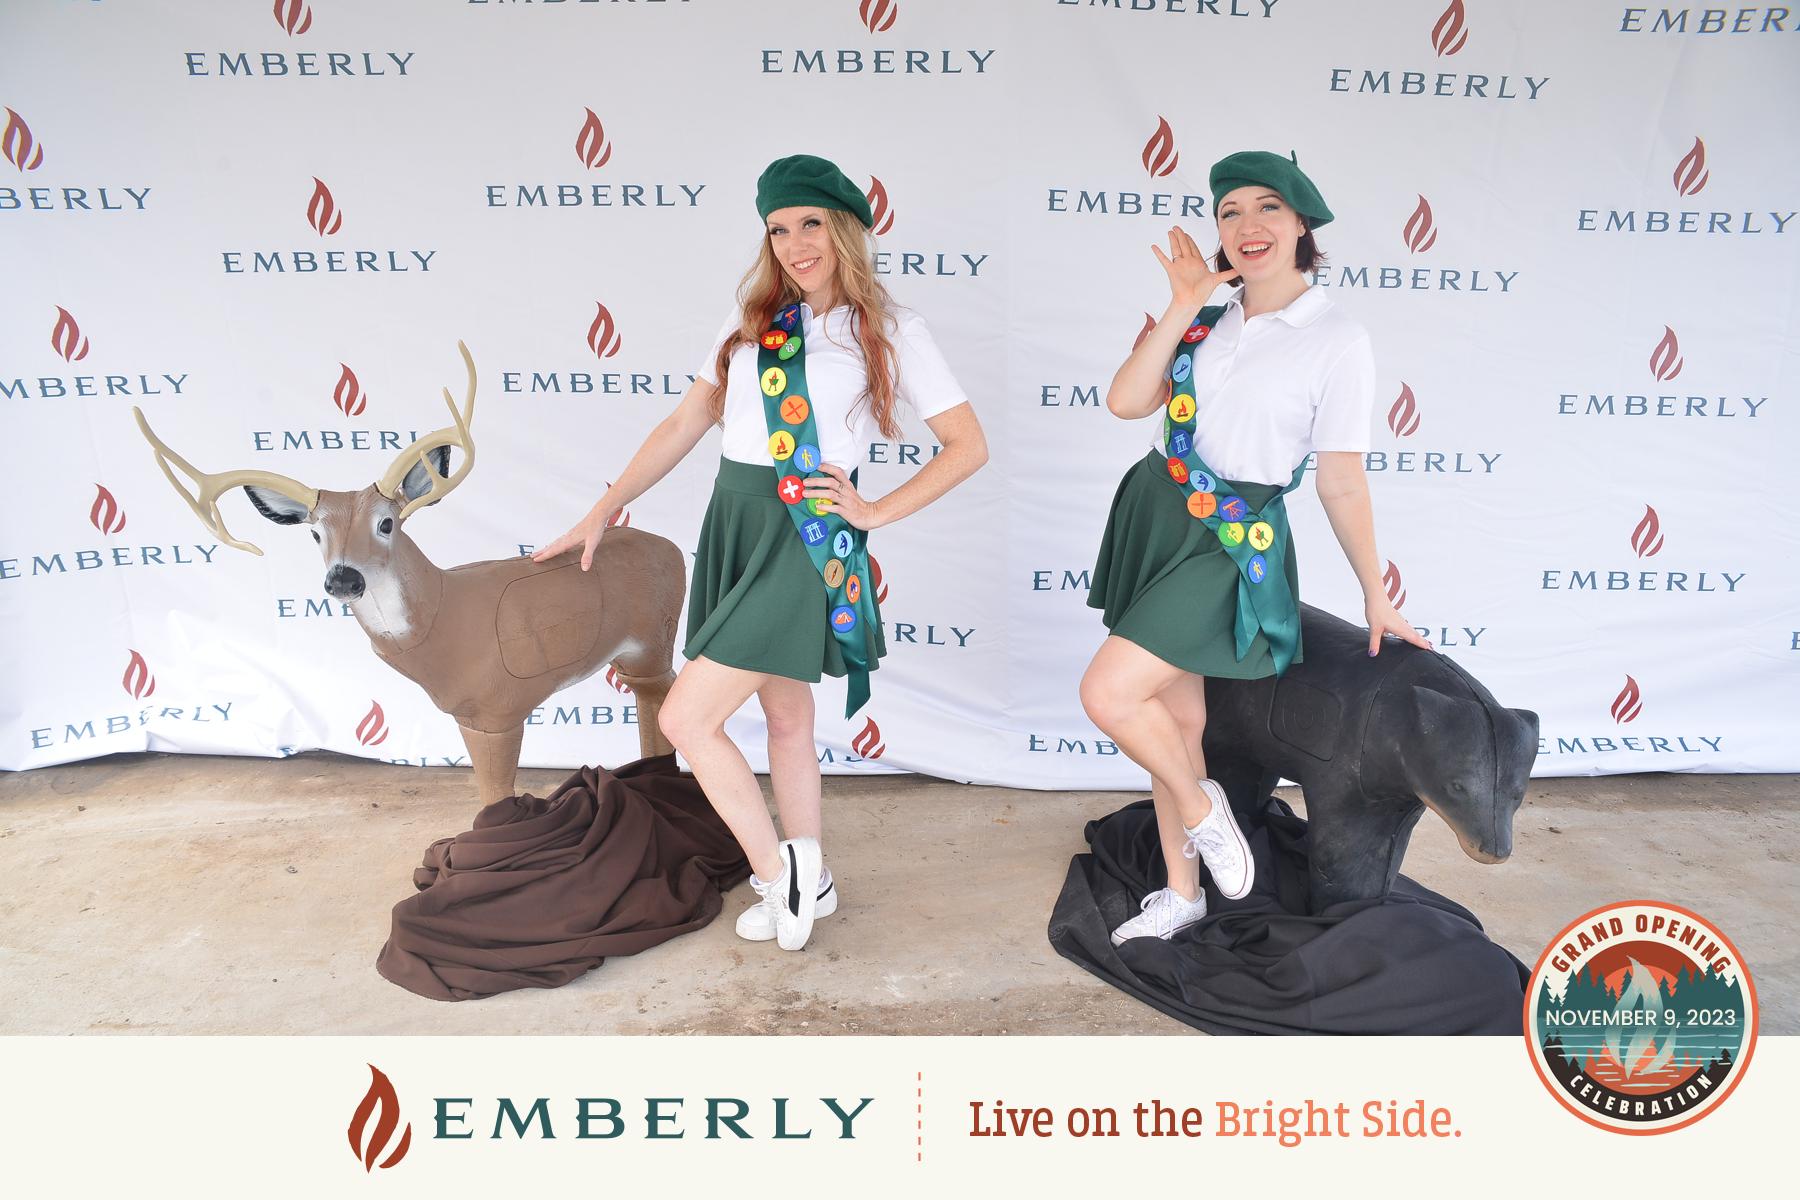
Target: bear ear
{"x": 282, "y": 510}
{"x": 1447, "y": 717}
{"x": 417, "y": 482}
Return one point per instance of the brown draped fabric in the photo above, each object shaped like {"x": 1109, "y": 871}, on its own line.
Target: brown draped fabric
{"x": 543, "y": 890}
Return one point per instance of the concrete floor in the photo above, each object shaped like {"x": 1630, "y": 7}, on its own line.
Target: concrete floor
{"x": 179, "y": 894}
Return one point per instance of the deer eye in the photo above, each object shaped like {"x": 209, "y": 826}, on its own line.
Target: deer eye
{"x": 386, "y": 526}
{"x": 315, "y": 534}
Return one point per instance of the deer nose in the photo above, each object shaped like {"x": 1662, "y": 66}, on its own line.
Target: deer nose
{"x": 344, "y": 583}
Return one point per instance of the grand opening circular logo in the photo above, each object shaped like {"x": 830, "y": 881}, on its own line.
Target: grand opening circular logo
{"x": 1640, "y": 1017}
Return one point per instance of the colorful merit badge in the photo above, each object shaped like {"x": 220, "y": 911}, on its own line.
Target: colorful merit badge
{"x": 1265, "y": 600}
{"x": 838, "y": 551}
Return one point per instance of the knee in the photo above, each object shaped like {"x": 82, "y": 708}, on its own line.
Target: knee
{"x": 788, "y": 724}
{"x": 1103, "y": 701}
{"x": 1192, "y": 723}
{"x": 681, "y": 724}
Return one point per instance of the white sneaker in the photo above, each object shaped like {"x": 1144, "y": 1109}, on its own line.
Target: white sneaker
{"x": 757, "y": 924}
{"x": 1165, "y": 913}
{"x": 1220, "y": 844}
{"x": 791, "y": 901}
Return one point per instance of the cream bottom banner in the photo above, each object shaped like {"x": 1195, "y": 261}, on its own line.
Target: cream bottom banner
{"x": 851, "y": 1116}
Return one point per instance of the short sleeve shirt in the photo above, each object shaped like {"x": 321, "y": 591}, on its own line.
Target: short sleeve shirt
{"x": 1273, "y": 389}
{"x": 836, "y": 378}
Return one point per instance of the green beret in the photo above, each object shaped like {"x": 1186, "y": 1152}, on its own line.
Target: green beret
{"x": 1249, "y": 168}
{"x": 808, "y": 181}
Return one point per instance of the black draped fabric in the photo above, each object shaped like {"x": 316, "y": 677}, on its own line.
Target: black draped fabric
{"x": 1411, "y": 963}
{"x": 544, "y": 889}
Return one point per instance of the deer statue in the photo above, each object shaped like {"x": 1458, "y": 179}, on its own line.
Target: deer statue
{"x": 488, "y": 641}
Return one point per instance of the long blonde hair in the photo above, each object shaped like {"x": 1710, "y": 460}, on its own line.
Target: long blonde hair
{"x": 766, "y": 289}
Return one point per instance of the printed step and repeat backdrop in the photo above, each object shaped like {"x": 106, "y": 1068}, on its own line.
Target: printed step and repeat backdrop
{"x": 1570, "y": 229}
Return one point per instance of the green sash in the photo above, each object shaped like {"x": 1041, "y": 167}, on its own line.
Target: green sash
{"x": 1256, "y": 542}
{"x": 838, "y": 549}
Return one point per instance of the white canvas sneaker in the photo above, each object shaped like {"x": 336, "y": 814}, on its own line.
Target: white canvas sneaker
{"x": 757, "y": 923}
{"x": 792, "y": 899}
{"x": 1164, "y": 914}
{"x": 1220, "y": 844}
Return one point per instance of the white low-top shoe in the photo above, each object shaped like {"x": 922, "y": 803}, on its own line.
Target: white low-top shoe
{"x": 1220, "y": 844}
{"x": 757, "y": 923}
{"x": 1163, "y": 914}
{"x": 792, "y": 899}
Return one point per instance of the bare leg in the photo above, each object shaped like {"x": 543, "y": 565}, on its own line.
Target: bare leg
{"x": 787, "y": 706}
{"x": 495, "y": 757}
{"x": 693, "y": 718}
{"x": 1122, "y": 692}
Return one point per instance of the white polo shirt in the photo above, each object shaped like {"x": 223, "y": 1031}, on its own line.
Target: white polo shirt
{"x": 835, "y": 379}
{"x": 1273, "y": 389}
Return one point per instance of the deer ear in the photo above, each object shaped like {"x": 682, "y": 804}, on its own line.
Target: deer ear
{"x": 417, "y": 482}
{"x": 275, "y": 506}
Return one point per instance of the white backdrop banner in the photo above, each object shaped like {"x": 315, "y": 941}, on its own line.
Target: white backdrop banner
{"x": 1570, "y": 229}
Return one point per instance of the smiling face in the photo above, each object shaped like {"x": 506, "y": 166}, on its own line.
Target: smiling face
{"x": 801, "y": 243}
{"x": 1259, "y": 232}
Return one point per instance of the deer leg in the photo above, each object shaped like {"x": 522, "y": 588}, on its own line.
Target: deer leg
{"x": 495, "y": 757}
{"x": 651, "y": 691}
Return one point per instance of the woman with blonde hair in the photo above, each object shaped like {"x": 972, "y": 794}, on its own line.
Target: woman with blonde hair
{"x": 814, "y": 359}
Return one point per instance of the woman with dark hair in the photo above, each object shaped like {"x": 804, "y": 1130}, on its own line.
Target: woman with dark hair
{"x": 1196, "y": 573}
{"x": 814, "y": 358}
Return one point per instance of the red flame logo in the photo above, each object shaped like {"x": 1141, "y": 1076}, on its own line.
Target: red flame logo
{"x": 381, "y": 1096}
{"x": 1628, "y": 703}
{"x": 1647, "y": 538}
{"x": 613, "y": 681}
{"x": 321, "y": 210}
{"x": 878, "y": 207}
{"x": 65, "y": 337}
{"x": 603, "y": 336}
{"x": 880, "y": 586}
{"x": 373, "y": 730}
{"x": 1396, "y": 590}
{"x": 1403, "y": 417}
{"x": 1691, "y": 173}
{"x": 348, "y": 394}
{"x": 1448, "y": 35}
{"x": 878, "y": 15}
{"x": 295, "y": 16}
{"x": 1160, "y": 155}
{"x": 1666, "y": 361}
{"x": 1419, "y": 233}
{"x": 591, "y": 146}
{"x": 1149, "y": 324}
{"x": 106, "y": 514}
{"x": 17, "y": 145}
{"x": 138, "y": 680}
{"x": 868, "y": 743}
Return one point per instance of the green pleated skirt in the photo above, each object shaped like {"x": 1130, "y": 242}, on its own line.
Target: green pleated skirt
{"x": 1164, "y": 582}
{"x": 757, "y": 602}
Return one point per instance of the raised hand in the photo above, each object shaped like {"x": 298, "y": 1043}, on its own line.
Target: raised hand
{"x": 1192, "y": 280}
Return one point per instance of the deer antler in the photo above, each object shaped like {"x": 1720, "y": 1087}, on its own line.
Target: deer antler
{"x": 451, "y": 435}
{"x": 211, "y": 486}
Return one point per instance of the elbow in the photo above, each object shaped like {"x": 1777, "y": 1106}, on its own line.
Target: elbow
{"x": 978, "y": 452}
{"x": 1116, "y": 403}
